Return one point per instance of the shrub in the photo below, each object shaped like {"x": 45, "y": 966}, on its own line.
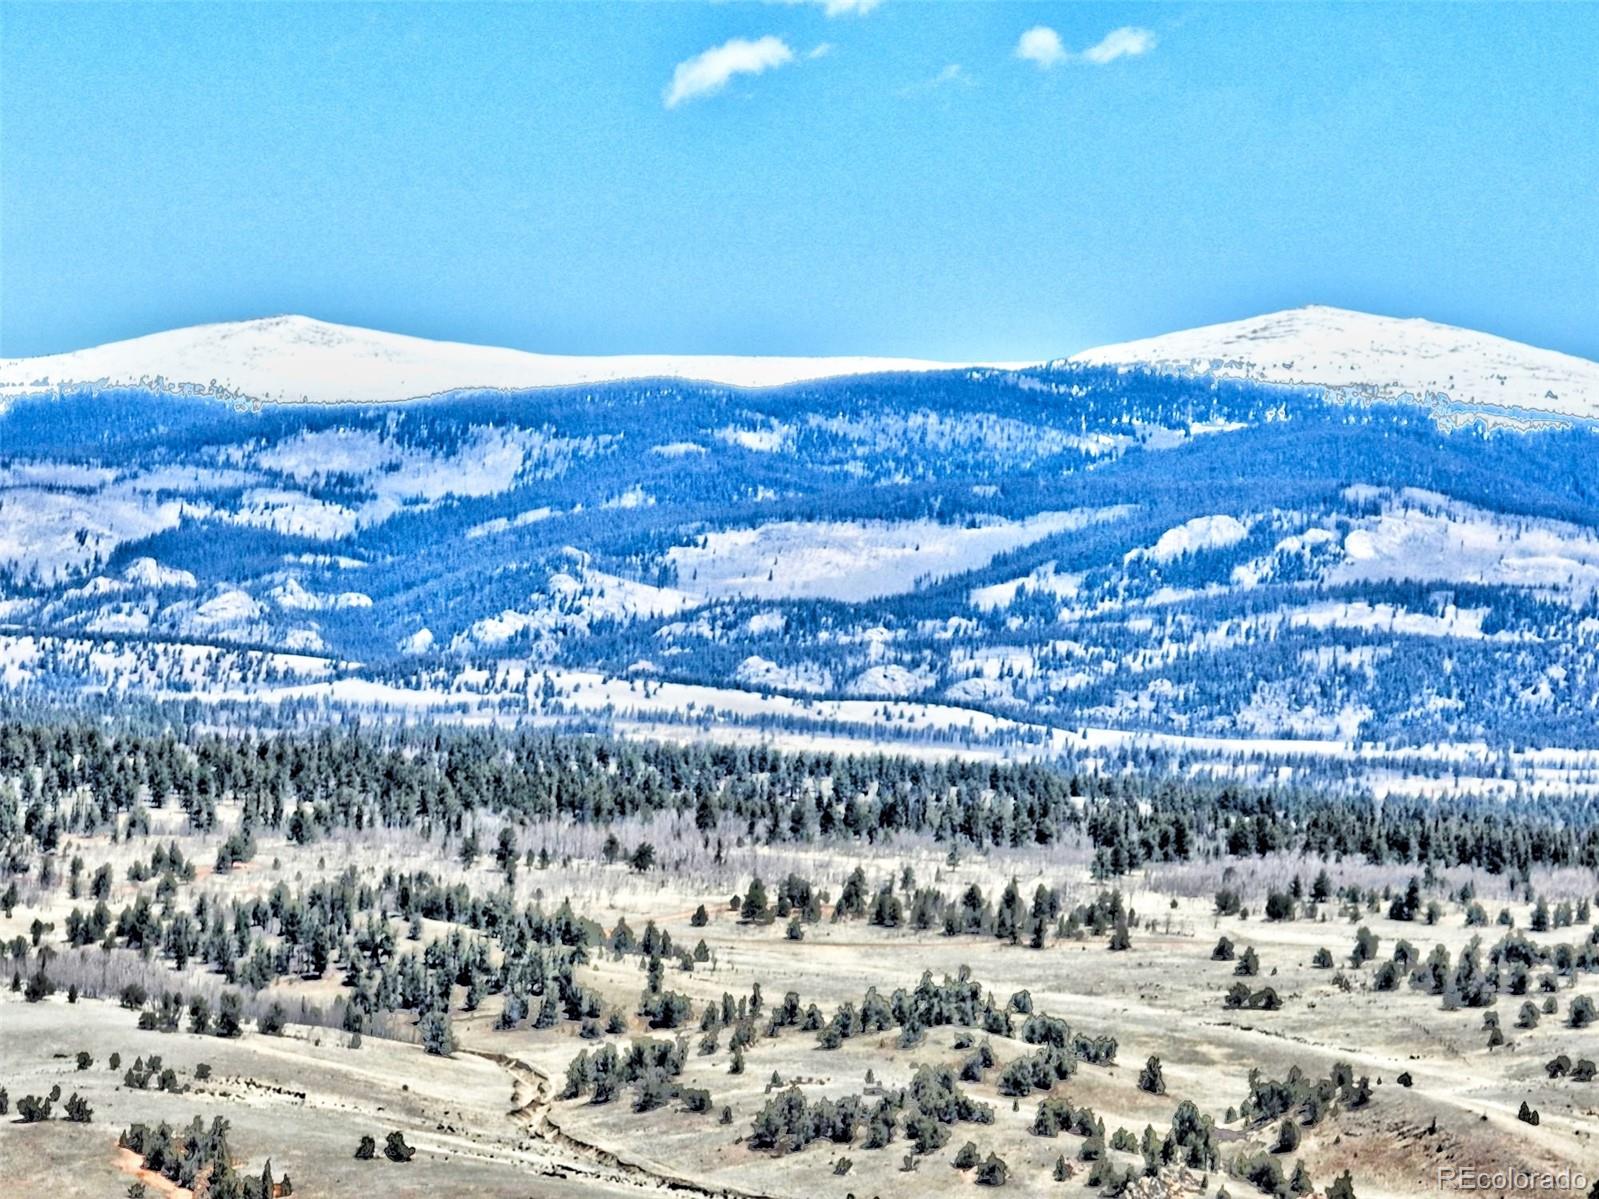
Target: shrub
{"x": 1581, "y": 1013}
{"x": 1287, "y": 1136}
{"x": 993, "y": 1172}
{"x": 1279, "y": 906}
{"x": 271, "y": 1022}
{"x": 1151, "y": 1079}
{"x": 229, "y": 1015}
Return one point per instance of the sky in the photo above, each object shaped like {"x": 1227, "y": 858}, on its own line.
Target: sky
{"x": 964, "y": 181}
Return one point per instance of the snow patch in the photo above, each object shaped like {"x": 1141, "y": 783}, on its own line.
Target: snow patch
{"x": 1193, "y": 536}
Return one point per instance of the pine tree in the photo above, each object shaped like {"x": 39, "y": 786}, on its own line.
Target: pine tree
{"x": 1151, "y": 1079}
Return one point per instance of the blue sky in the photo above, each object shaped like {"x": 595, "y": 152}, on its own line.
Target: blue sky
{"x": 976, "y": 180}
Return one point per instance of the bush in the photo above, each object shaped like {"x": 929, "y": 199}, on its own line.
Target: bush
{"x": 229, "y": 1015}
{"x": 395, "y": 1148}
{"x": 438, "y": 1037}
{"x": 366, "y": 1150}
{"x": 1151, "y": 1079}
{"x": 272, "y": 1021}
{"x": 39, "y": 986}
{"x": 993, "y": 1172}
{"x": 1287, "y": 1136}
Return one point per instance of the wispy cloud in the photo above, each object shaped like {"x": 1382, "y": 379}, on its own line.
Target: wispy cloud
{"x": 708, "y": 73}
{"x": 820, "y": 50}
{"x": 848, "y": 8}
{"x": 1042, "y": 46}
{"x": 837, "y": 8}
{"x": 953, "y": 75}
{"x": 1127, "y": 42}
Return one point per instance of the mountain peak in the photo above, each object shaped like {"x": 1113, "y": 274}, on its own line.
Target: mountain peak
{"x": 1322, "y": 346}
{"x": 295, "y": 358}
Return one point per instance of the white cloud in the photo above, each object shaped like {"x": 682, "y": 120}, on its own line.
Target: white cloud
{"x": 708, "y": 73}
{"x": 1041, "y": 45}
{"x": 1127, "y": 42}
{"x": 953, "y": 75}
{"x": 838, "y": 8}
{"x": 820, "y": 50}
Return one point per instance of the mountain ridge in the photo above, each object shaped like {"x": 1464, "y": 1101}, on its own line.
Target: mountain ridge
{"x": 1388, "y": 357}
{"x": 990, "y": 560}
{"x": 290, "y": 358}
{"x": 298, "y": 359}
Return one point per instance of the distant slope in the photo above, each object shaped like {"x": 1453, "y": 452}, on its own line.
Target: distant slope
{"x": 288, "y": 359}
{"x": 1333, "y": 347}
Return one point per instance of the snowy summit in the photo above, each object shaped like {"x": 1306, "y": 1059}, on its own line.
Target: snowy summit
{"x": 1385, "y": 356}
{"x": 294, "y": 359}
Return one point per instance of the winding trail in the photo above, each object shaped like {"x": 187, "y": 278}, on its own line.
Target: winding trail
{"x": 584, "y": 1159}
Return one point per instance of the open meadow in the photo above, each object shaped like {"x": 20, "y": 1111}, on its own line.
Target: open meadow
{"x": 665, "y": 1001}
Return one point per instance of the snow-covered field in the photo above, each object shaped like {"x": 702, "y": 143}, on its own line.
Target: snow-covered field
{"x": 55, "y": 533}
{"x": 857, "y": 560}
{"x": 1423, "y": 535}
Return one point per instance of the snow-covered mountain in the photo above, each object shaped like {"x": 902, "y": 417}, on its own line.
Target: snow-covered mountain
{"x": 1018, "y": 560}
{"x": 289, "y": 359}
{"x": 1384, "y": 356}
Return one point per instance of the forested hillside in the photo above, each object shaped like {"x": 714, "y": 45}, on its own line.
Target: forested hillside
{"x": 982, "y": 557}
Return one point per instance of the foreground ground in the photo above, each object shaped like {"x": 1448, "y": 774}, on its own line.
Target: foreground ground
{"x": 485, "y": 1120}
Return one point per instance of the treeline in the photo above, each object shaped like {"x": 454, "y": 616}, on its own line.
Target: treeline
{"x": 66, "y": 778}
